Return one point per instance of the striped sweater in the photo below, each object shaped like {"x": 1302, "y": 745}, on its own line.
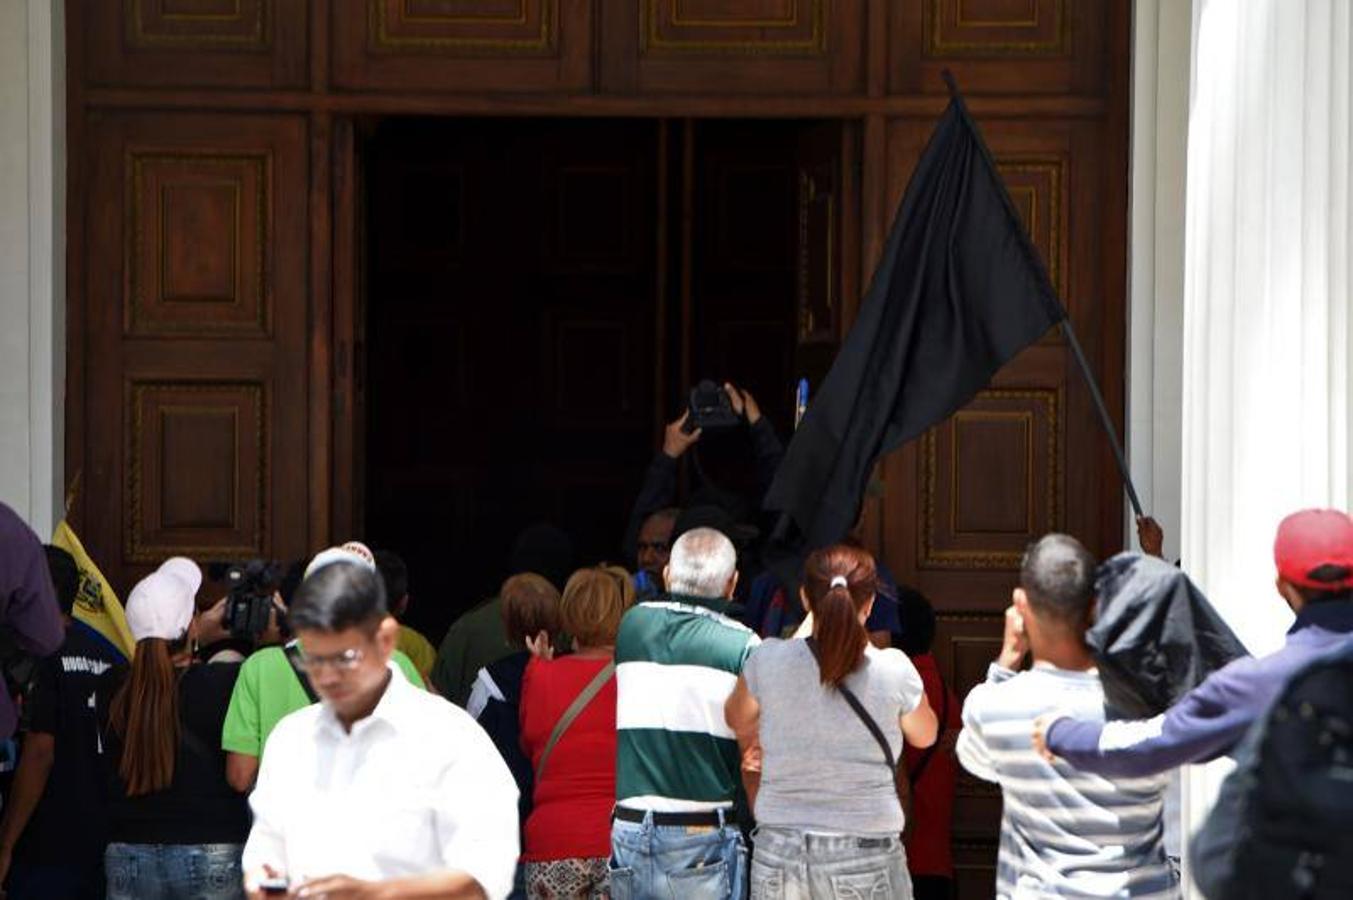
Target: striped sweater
{"x": 677, "y": 661}
{"x": 1063, "y": 833}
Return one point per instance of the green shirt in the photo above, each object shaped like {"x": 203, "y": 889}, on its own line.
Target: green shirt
{"x": 267, "y": 690}
{"x": 677, "y": 662}
{"x": 473, "y": 641}
{"x": 417, "y": 648}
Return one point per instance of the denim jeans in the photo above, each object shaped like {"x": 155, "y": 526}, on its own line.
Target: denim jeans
{"x": 650, "y": 862}
{"x": 789, "y": 864}
{"x": 174, "y": 872}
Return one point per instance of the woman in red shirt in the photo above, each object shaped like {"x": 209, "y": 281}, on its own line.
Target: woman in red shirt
{"x": 568, "y": 835}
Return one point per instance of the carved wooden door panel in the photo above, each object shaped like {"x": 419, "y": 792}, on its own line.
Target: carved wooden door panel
{"x": 195, "y": 321}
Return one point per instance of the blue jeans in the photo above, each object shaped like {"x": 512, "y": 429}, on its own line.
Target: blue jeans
{"x": 792, "y": 864}
{"x": 174, "y": 872}
{"x": 649, "y": 862}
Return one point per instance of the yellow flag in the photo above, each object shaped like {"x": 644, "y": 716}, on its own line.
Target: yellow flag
{"x": 95, "y": 604}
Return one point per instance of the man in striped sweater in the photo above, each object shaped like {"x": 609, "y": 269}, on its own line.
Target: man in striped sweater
{"x": 1063, "y": 833}
{"x": 677, "y": 761}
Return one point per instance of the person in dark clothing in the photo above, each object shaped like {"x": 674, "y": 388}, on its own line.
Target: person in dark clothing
{"x": 476, "y": 639}
{"x": 53, "y": 830}
{"x": 530, "y": 613}
{"x": 176, "y": 827}
{"x": 659, "y": 490}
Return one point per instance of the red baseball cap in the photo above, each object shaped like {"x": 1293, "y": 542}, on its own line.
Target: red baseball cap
{"x": 1313, "y": 538}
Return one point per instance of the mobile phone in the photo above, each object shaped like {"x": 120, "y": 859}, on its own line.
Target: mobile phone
{"x": 274, "y": 886}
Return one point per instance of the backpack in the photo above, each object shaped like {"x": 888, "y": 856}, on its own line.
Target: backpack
{"x": 1282, "y": 828}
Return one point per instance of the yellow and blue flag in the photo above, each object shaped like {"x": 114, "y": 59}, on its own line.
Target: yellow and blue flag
{"x": 95, "y": 603}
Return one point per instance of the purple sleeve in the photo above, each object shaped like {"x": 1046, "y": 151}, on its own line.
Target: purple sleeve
{"x": 30, "y": 601}
{"x": 1203, "y": 725}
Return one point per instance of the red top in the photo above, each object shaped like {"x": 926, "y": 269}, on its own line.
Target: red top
{"x": 573, "y": 802}
{"x": 929, "y": 851}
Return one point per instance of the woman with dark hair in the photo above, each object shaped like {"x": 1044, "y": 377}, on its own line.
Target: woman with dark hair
{"x": 176, "y": 828}
{"x": 822, "y": 709}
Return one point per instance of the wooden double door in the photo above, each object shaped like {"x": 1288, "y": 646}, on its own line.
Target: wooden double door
{"x": 539, "y": 296}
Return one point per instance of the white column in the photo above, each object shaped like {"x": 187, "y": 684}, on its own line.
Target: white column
{"x": 1266, "y": 328}
{"x": 1160, "y": 118}
{"x": 32, "y": 259}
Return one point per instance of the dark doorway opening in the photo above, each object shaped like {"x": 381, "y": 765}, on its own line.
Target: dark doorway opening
{"x": 539, "y": 294}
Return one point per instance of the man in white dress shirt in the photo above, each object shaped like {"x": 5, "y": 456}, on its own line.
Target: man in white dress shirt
{"x": 381, "y": 790}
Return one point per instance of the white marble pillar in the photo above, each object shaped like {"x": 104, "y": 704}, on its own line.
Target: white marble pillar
{"x": 1266, "y": 298}
{"x": 32, "y": 259}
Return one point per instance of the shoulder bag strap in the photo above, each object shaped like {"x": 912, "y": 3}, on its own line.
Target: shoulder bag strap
{"x": 574, "y": 710}
{"x": 930, "y": 751}
{"x": 293, "y": 653}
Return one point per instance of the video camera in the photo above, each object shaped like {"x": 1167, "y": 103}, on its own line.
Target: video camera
{"x": 249, "y": 601}
{"x": 711, "y": 409}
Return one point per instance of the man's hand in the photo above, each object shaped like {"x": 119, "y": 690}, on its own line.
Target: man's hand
{"x": 1040, "y": 738}
{"x": 1015, "y": 643}
{"x": 211, "y": 624}
{"x": 744, "y": 404}
{"x": 1151, "y": 536}
{"x": 675, "y": 440}
{"x": 336, "y": 887}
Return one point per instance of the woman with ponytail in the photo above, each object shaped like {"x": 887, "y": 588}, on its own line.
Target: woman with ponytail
{"x": 176, "y": 828}
{"x": 821, "y": 708}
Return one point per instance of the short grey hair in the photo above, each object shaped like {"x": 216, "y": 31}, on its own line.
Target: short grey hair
{"x": 702, "y": 563}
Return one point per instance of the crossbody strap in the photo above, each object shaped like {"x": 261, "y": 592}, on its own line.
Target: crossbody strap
{"x": 293, "y": 653}
{"x": 574, "y": 710}
{"x": 868, "y": 720}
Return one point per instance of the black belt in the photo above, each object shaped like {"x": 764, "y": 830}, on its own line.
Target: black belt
{"x": 713, "y": 817}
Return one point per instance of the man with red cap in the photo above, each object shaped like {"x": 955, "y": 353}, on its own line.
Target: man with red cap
{"x": 1314, "y": 556}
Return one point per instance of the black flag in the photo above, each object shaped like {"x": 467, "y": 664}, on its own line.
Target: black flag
{"x": 959, "y": 291}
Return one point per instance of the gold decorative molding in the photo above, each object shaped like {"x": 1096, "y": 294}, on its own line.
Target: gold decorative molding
{"x": 934, "y": 557}
{"x": 136, "y": 219}
{"x": 1053, "y": 168}
{"x": 546, "y": 39}
{"x": 813, "y": 44}
{"x": 938, "y": 45}
{"x": 135, "y": 547}
{"x": 257, "y": 35}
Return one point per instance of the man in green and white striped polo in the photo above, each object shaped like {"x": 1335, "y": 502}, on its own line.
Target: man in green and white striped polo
{"x": 677, "y": 761}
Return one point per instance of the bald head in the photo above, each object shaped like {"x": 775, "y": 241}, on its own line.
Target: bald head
{"x": 703, "y": 564}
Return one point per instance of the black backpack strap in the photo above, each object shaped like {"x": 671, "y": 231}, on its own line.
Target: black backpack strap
{"x": 293, "y": 653}
{"x": 930, "y": 751}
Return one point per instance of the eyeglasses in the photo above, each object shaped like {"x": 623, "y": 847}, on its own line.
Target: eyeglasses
{"x": 655, "y": 546}
{"x": 340, "y": 662}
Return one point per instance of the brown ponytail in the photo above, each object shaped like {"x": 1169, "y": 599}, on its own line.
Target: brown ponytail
{"x": 145, "y": 714}
{"x": 840, "y": 636}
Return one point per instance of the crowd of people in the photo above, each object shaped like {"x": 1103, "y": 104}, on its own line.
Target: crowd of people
{"x": 693, "y": 726}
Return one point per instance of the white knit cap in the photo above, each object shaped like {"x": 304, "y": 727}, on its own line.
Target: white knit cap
{"x": 351, "y": 552}
{"x": 160, "y": 606}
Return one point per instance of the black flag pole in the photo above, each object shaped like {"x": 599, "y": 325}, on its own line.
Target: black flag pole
{"x": 1076, "y": 351}
{"x": 1104, "y": 419}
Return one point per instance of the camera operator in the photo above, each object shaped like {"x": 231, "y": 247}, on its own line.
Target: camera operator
{"x": 727, "y": 475}
{"x": 271, "y": 686}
